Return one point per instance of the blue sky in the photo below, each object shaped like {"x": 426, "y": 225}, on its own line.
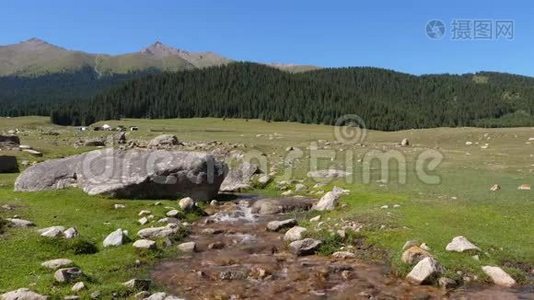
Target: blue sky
{"x": 389, "y": 34}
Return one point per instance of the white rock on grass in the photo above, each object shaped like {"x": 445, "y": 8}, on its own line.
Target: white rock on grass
{"x": 52, "y": 232}
{"x": 115, "y": 238}
{"x": 119, "y": 206}
{"x": 186, "y": 203}
{"x": 144, "y": 244}
{"x": 461, "y": 244}
{"x": 144, "y": 213}
{"x": 70, "y": 233}
{"x": 295, "y": 233}
{"x": 425, "y": 271}
{"x": 78, "y": 286}
{"x": 329, "y": 200}
{"x": 57, "y": 263}
{"x": 22, "y": 294}
{"x": 172, "y": 213}
{"x": 499, "y": 276}
{"x": 20, "y": 223}
{"x": 67, "y": 274}
{"x": 315, "y": 219}
{"x": 142, "y": 221}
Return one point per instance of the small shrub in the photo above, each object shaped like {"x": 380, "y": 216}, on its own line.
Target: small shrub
{"x": 81, "y": 246}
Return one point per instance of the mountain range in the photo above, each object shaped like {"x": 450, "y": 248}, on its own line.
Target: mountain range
{"x": 36, "y": 57}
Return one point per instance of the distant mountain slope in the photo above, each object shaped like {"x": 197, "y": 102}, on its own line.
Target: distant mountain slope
{"x": 386, "y": 100}
{"x": 36, "y": 57}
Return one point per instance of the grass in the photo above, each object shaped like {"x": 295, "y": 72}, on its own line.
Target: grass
{"x": 500, "y": 223}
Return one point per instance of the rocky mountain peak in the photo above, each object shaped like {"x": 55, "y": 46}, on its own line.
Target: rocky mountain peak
{"x": 160, "y": 49}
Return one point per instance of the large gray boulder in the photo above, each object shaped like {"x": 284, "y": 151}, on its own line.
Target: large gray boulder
{"x": 8, "y": 164}
{"x": 134, "y": 173}
{"x": 240, "y": 178}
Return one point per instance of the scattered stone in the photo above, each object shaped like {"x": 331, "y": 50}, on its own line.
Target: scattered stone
{"x": 172, "y": 213}
{"x": 396, "y": 206}
{"x": 138, "y": 284}
{"x": 78, "y": 287}
{"x": 142, "y": 221}
{"x": 114, "y": 239}
{"x": 329, "y": 200}
{"x": 499, "y": 276}
{"x": 343, "y": 255}
{"x": 188, "y": 247}
{"x": 384, "y": 207}
{"x": 57, "y": 263}
{"x": 144, "y": 213}
{"x": 186, "y": 203}
{"x": 95, "y": 295}
{"x": 96, "y": 142}
{"x": 414, "y": 255}
{"x": 304, "y": 247}
{"x": 276, "y": 206}
{"x": 214, "y": 203}
{"x": 144, "y": 244}
{"x": 169, "y": 220}
{"x": 495, "y": 188}
{"x": 287, "y": 193}
{"x": 315, "y": 219}
{"x": 67, "y": 274}
{"x": 52, "y": 232}
{"x": 447, "y": 283}
{"x": 425, "y": 271}
{"x": 164, "y": 141}
{"x": 295, "y": 233}
{"x": 461, "y": 244}
{"x": 264, "y": 180}
{"x": 119, "y": 206}
{"x": 524, "y": 187}
{"x": 70, "y": 233}
{"x": 20, "y": 223}
{"x": 22, "y": 294}
{"x": 33, "y": 152}
{"x": 405, "y": 142}
{"x": 279, "y": 225}
{"x": 158, "y": 232}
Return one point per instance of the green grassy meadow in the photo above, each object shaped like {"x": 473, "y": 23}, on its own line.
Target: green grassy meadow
{"x": 500, "y": 223}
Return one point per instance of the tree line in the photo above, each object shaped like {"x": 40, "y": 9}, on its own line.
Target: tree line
{"x": 384, "y": 99}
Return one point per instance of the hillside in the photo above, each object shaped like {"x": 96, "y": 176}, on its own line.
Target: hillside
{"x": 36, "y": 57}
{"x": 385, "y": 99}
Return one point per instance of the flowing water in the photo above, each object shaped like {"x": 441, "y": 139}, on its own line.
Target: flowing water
{"x": 237, "y": 258}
